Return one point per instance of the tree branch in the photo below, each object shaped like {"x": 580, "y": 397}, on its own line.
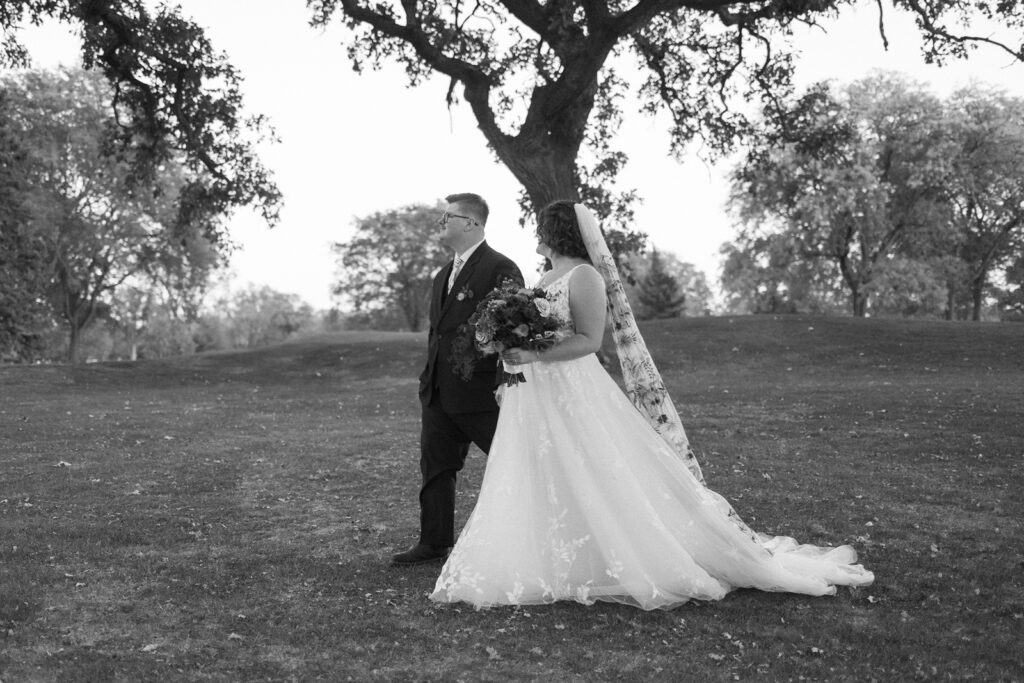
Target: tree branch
{"x": 530, "y": 13}
{"x": 928, "y": 23}
{"x": 477, "y": 83}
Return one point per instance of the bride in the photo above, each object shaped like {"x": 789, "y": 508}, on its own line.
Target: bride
{"x": 584, "y": 497}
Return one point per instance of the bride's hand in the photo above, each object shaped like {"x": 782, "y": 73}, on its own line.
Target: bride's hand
{"x": 520, "y": 356}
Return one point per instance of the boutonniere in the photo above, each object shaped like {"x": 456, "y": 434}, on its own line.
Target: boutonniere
{"x": 464, "y": 293}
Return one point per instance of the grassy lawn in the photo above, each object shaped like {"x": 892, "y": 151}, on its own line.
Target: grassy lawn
{"x": 230, "y": 516}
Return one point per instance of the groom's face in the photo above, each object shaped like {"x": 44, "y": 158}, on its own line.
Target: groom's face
{"x": 454, "y": 230}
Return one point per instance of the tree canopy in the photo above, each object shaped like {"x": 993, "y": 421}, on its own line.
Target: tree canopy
{"x": 547, "y": 81}
{"x": 390, "y": 261}
{"x": 175, "y": 97}
{"x": 85, "y": 224}
{"x": 885, "y": 190}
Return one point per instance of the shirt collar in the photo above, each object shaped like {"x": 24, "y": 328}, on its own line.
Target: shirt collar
{"x": 464, "y": 256}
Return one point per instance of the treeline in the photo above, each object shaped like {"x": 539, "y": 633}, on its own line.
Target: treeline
{"x": 85, "y": 224}
{"x": 384, "y": 273}
{"x": 141, "y": 324}
{"x": 881, "y": 198}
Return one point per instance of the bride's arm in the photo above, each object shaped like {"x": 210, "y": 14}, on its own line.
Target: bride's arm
{"x": 588, "y": 303}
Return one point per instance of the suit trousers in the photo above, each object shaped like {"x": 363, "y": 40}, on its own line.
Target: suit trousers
{"x": 444, "y": 444}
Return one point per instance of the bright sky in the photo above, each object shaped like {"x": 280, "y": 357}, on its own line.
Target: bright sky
{"x": 352, "y": 145}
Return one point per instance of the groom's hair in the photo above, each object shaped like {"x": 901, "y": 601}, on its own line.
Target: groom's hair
{"x": 558, "y": 228}
{"x": 474, "y": 203}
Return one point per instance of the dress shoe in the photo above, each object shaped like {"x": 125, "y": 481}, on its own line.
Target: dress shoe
{"x": 422, "y": 553}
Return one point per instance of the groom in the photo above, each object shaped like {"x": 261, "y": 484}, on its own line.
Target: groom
{"x": 456, "y": 412}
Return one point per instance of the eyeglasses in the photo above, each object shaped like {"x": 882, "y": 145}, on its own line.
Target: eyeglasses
{"x": 443, "y": 220}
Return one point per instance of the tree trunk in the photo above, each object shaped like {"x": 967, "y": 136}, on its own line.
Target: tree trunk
{"x": 978, "y": 287}
{"x": 545, "y": 172}
{"x": 858, "y": 299}
{"x": 542, "y": 156}
{"x": 860, "y": 305}
{"x": 73, "y": 343}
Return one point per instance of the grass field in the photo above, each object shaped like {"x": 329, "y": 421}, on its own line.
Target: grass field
{"x": 230, "y": 516}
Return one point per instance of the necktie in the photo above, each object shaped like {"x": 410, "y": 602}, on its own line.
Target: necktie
{"x": 456, "y": 267}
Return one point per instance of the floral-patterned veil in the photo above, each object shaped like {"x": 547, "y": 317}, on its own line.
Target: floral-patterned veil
{"x": 644, "y": 385}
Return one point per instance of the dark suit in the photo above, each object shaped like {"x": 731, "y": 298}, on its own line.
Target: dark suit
{"x": 456, "y": 412}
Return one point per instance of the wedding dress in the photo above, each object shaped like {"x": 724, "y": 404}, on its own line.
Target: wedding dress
{"x": 582, "y": 500}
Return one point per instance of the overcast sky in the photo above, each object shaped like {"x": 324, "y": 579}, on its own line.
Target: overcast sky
{"x": 352, "y": 145}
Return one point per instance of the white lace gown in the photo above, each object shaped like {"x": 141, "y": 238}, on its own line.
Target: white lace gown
{"x": 582, "y": 500}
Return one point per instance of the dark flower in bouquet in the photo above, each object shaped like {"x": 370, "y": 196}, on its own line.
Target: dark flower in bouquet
{"x": 510, "y": 316}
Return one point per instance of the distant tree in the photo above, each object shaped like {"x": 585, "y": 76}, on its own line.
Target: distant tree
{"x": 23, "y": 309}
{"x": 96, "y": 225}
{"x": 691, "y": 281}
{"x": 254, "y": 316}
{"x": 766, "y": 273}
{"x": 390, "y": 262}
{"x": 659, "y": 292}
{"x": 986, "y": 188}
{"x": 1010, "y": 293}
{"x": 133, "y": 306}
{"x": 176, "y": 97}
{"x": 546, "y": 80}
{"x": 910, "y": 287}
{"x": 854, "y": 178}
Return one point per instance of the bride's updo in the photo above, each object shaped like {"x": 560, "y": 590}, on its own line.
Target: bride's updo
{"x": 558, "y": 228}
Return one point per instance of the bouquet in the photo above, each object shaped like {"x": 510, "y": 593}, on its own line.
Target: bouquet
{"x": 510, "y": 316}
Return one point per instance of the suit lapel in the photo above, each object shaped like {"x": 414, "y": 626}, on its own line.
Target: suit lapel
{"x": 461, "y": 278}
{"x": 438, "y": 298}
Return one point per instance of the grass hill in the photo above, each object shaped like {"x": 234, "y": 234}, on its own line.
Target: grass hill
{"x": 229, "y": 516}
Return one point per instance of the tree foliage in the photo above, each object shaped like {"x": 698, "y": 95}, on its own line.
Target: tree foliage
{"x": 251, "y": 317}
{"x": 985, "y": 190}
{"x": 23, "y": 309}
{"x": 175, "y": 97}
{"x": 390, "y": 262}
{"x": 659, "y": 291}
{"x": 546, "y": 80}
{"x": 665, "y": 286}
{"x": 854, "y": 177}
{"x": 765, "y": 273}
{"x": 87, "y": 222}
{"x": 908, "y": 199}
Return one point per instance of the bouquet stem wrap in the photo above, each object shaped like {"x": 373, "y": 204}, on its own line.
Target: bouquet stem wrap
{"x": 512, "y": 374}
{"x": 644, "y": 385}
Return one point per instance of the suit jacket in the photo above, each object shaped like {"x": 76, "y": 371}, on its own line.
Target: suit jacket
{"x": 485, "y": 270}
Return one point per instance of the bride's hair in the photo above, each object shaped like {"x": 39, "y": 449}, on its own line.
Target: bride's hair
{"x": 558, "y": 228}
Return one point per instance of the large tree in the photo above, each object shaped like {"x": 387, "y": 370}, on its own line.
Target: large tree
{"x": 390, "y": 262}
{"x": 546, "y": 80}
{"x": 23, "y": 309}
{"x": 986, "y": 188}
{"x": 903, "y": 195}
{"x": 176, "y": 97}
{"x": 96, "y": 223}
{"x": 856, "y": 177}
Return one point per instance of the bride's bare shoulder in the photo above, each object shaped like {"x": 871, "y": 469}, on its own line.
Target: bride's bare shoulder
{"x": 586, "y": 276}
